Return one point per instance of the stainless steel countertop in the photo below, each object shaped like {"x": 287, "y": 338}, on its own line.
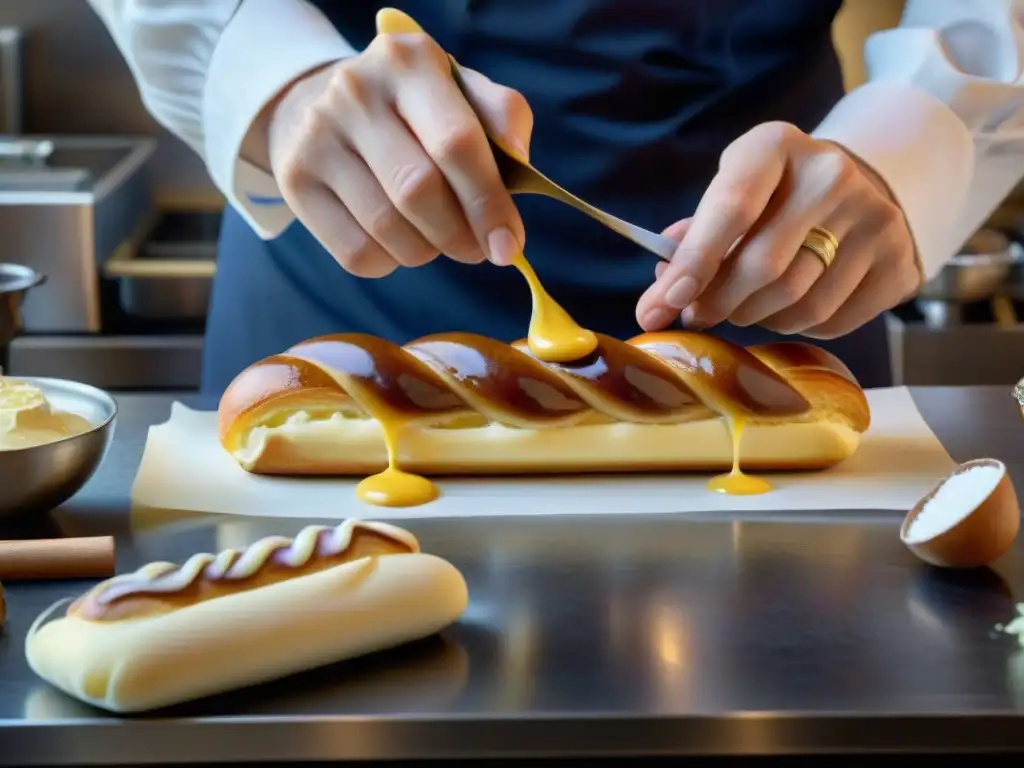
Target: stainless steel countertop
{"x": 697, "y": 634}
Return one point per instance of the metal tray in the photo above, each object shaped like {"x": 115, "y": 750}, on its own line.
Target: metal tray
{"x": 165, "y": 298}
{"x": 169, "y": 275}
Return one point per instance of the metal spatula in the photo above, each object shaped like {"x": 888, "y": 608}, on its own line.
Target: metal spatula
{"x": 519, "y": 176}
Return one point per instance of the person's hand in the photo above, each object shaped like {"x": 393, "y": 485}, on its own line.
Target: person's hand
{"x": 740, "y": 257}
{"x": 385, "y": 162}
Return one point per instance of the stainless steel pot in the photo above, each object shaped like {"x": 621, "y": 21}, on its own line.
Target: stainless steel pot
{"x": 979, "y": 272}
{"x": 15, "y": 281}
{"x": 1014, "y": 287}
{"x": 976, "y": 273}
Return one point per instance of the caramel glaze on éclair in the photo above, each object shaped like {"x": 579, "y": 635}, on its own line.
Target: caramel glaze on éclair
{"x": 158, "y": 588}
{"x": 468, "y": 380}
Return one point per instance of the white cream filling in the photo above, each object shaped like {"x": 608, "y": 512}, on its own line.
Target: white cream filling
{"x": 342, "y": 438}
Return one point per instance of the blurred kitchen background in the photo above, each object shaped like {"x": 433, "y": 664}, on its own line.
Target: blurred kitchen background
{"x": 122, "y": 220}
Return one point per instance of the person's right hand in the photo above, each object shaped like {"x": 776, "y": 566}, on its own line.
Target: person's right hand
{"x": 385, "y": 162}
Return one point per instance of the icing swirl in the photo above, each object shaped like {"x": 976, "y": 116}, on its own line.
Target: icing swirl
{"x": 314, "y": 541}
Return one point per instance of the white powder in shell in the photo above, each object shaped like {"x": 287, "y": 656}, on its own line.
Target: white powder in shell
{"x": 957, "y": 498}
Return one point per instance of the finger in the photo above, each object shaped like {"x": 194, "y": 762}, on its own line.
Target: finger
{"x": 795, "y": 282}
{"x": 734, "y": 201}
{"x": 444, "y": 123}
{"x": 876, "y": 293}
{"x": 673, "y": 232}
{"x": 413, "y": 183}
{"x": 676, "y": 232}
{"x": 504, "y": 113}
{"x": 830, "y": 291}
{"x": 802, "y": 201}
{"x": 352, "y": 181}
{"x": 800, "y": 275}
{"x": 339, "y": 233}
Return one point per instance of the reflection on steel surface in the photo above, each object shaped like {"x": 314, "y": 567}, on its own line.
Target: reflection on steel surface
{"x": 811, "y": 625}
{"x": 669, "y": 628}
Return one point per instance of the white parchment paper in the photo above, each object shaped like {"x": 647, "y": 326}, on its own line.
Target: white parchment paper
{"x": 185, "y": 468}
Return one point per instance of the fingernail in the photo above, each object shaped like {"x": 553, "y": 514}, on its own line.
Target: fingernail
{"x": 689, "y": 320}
{"x": 659, "y": 269}
{"x": 682, "y": 292}
{"x": 658, "y": 317}
{"x": 519, "y": 150}
{"x": 502, "y": 246}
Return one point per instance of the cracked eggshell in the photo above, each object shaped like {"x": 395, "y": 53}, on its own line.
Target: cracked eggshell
{"x": 970, "y": 519}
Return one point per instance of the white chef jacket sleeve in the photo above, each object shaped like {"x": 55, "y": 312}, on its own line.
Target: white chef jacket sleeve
{"x": 941, "y": 117}
{"x": 206, "y": 69}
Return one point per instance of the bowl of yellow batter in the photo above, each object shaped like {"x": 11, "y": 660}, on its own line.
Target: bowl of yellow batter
{"x": 53, "y": 436}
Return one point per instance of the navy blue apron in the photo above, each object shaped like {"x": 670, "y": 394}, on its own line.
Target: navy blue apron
{"x": 634, "y": 101}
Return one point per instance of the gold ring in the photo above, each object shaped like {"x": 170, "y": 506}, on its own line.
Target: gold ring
{"x": 822, "y": 244}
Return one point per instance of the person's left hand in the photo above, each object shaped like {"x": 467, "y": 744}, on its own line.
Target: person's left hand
{"x": 740, "y": 257}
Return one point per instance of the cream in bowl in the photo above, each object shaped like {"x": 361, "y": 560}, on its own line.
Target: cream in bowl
{"x": 29, "y": 419}
{"x": 970, "y": 519}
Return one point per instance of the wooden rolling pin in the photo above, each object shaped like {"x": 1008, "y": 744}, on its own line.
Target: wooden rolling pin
{"x": 51, "y": 559}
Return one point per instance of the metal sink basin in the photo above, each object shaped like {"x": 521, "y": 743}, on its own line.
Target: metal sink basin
{"x": 46, "y": 165}
{"x": 44, "y": 180}
{"x": 29, "y": 165}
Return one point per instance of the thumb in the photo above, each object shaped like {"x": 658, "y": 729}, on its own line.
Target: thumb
{"x": 504, "y": 113}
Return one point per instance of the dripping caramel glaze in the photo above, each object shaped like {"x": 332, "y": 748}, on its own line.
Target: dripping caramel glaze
{"x": 735, "y": 482}
{"x": 395, "y": 487}
{"x": 554, "y": 336}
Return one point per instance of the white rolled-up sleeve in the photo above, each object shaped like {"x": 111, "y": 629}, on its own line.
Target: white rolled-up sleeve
{"x": 207, "y": 68}
{"x": 941, "y": 117}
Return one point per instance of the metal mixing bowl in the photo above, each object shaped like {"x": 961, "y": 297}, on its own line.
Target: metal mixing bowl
{"x": 39, "y": 478}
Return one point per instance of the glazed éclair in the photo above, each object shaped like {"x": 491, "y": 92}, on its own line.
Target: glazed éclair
{"x": 171, "y": 633}
{"x": 456, "y": 403}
